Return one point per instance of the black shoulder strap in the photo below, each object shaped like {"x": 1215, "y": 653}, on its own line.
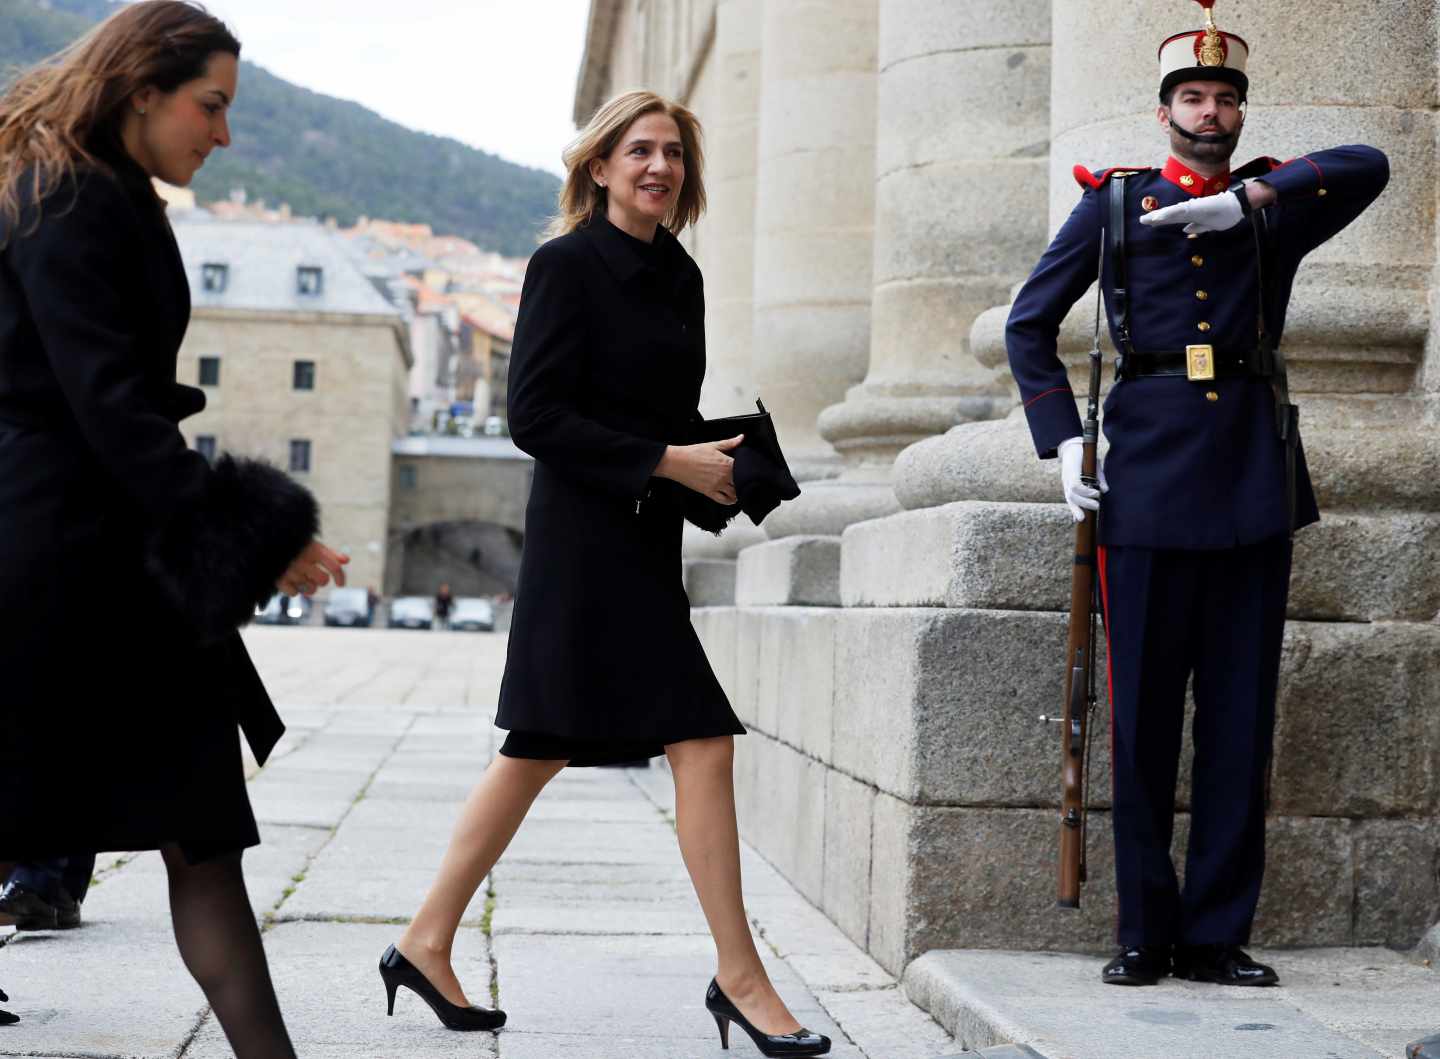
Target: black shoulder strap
{"x": 1119, "y": 290}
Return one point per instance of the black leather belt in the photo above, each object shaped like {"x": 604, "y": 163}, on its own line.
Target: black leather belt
{"x": 1228, "y": 364}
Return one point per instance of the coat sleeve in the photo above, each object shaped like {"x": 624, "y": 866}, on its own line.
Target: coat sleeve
{"x": 1065, "y": 272}
{"x": 547, "y": 362}
{"x": 217, "y": 539}
{"x": 1321, "y": 193}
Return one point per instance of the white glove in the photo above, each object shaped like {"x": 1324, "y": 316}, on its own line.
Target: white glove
{"x": 1079, "y": 497}
{"x": 1210, "y": 213}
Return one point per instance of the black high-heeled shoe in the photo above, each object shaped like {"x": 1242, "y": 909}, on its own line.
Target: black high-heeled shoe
{"x": 802, "y": 1042}
{"x": 396, "y": 970}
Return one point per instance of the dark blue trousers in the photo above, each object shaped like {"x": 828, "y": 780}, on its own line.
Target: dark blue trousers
{"x": 1218, "y": 616}
{"x": 48, "y": 877}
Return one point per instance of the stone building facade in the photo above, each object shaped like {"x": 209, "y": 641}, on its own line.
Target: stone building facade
{"x": 303, "y": 363}
{"x": 883, "y": 173}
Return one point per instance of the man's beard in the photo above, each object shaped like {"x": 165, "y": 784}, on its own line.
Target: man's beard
{"x": 1204, "y": 146}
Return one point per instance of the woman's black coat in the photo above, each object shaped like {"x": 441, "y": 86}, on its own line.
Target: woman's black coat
{"x": 606, "y": 367}
{"x": 126, "y": 561}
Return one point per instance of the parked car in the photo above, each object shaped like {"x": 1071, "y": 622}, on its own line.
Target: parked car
{"x": 412, "y": 612}
{"x": 283, "y": 610}
{"x": 473, "y": 614}
{"x": 348, "y": 606}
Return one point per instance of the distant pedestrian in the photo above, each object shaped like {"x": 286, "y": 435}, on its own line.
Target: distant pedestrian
{"x": 124, "y": 736}
{"x": 444, "y": 602}
{"x": 603, "y": 662}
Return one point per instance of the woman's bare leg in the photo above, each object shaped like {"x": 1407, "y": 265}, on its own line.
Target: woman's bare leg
{"x": 710, "y": 844}
{"x": 488, "y": 821}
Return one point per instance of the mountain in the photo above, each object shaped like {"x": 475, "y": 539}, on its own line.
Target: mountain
{"x": 327, "y": 156}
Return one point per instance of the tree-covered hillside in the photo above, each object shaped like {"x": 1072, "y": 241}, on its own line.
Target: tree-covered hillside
{"x": 326, "y": 156}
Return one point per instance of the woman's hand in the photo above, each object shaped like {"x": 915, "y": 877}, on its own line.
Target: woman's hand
{"x": 313, "y": 568}
{"x": 704, "y": 468}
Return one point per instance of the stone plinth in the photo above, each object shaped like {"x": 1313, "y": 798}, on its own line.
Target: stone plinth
{"x": 922, "y": 735}
{"x": 794, "y": 571}
{"x": 1008, "y": 556}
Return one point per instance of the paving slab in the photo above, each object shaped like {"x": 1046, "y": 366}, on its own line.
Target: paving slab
{"x": 327, "y": 978}
{"x": 113, "y": 987}
{"x": 1333, "y": 1004}
{"x": 883, "y": 1022}
{"x": 598, "y": 944}
{"x": 574, "y": 841}
{"x": 643, "y": 989}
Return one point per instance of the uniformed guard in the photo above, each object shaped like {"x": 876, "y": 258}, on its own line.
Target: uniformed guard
{"x": 1204, "y": 485}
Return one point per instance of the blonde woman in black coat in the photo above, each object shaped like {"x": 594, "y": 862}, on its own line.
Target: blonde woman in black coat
{"x": 123, "y": 735}
{"x": 603, "y": 663}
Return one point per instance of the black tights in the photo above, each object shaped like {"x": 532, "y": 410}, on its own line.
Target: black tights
{"x": 220, "y": 943}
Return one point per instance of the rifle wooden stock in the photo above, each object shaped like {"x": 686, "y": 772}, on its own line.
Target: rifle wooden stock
{"x": 1080, "y": 659}
{"x": 1074, "y": 734}
{"x": 1080, "y": 644}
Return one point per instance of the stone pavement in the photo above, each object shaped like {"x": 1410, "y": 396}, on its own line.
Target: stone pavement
{"x": 1332, "y": 1004}
{"x": 587, "y": 932}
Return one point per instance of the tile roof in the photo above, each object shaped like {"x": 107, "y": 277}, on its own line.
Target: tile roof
{"x": 263, "y": 259}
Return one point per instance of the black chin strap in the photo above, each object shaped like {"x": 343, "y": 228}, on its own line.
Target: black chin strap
{"x": 1205, "y": 137}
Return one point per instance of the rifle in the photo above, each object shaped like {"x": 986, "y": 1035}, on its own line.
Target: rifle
{"x": 1075, "y": 722}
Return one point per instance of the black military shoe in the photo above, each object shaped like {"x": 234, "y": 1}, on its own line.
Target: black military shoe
{"x": 31, "y": 911}
{"x": 1138, "y": 965}
{"x": 1221, "y": 964}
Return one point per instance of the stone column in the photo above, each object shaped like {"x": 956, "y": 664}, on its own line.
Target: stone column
{"x": 962, "y": 140}
{"x": 814, "y": 208}
{"x": 727, "y": 235}
{"x": 729, "y": 228}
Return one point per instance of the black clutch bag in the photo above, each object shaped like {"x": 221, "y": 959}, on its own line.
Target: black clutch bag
{"x": 762, "y": 477}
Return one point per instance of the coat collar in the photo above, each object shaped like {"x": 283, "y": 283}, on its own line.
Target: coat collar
{"x": 625, "y": 257}
{"x": 1191, "y": 182}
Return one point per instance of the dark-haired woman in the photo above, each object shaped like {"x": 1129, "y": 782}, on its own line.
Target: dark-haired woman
{"x": 124, "y": 736}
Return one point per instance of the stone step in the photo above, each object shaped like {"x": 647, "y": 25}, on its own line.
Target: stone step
{"x": 1331, "y": 1004}
{"x": 1016, "y": 556}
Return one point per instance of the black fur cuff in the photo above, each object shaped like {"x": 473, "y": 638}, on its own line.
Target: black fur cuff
{"x": 217, "y": 560}
{"x": 708, "y": 515}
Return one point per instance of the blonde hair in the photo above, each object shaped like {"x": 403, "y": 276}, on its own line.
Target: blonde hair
{"x": 581, "y": 198}
{"x": 66, "y": 111}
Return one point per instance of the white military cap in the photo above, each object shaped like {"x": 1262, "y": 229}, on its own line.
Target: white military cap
{"x": 1207, "y": 54}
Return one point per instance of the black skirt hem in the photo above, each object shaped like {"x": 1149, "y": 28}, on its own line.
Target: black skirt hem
{"x": 593, "y": 753}
{"x": 196, "y": 851}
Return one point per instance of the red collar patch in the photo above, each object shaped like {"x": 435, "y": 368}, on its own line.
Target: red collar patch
{"x": 1185, "y": 178}
{"x": 1086, "y": 179}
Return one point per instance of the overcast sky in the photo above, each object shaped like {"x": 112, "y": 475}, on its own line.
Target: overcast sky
{"x": 496, "y": 74}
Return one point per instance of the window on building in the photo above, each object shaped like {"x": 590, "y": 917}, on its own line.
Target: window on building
{"x": 304, "y": 375}
{"x": 310, "y": 279}
{"x": 409, "y": 476}
{"x": 205, "y": 445}
{"x": 299, "y": 454}
{"x": 214, "y": 276}
{"x": 209, "y": 371}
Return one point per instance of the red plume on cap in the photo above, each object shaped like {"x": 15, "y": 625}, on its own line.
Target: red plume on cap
{"x": 1206, "y": 4}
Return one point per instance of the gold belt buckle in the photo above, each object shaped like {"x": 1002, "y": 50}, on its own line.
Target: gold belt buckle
{"x": 1200, "y": 363}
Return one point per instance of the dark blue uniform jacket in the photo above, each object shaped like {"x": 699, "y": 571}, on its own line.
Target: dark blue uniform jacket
{"x": 1191, "y": 465}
